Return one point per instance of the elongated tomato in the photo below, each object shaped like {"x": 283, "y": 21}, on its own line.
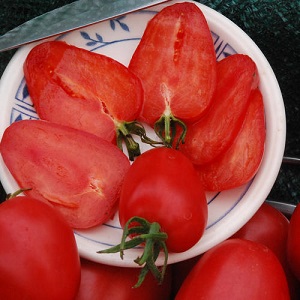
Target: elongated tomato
{"x": 214, "y": 132}
{"x": 176, "y": 62}
{"x": 77, "y": 172}
{"x": 241, "y": 161}
{"x": 85, "y": 90}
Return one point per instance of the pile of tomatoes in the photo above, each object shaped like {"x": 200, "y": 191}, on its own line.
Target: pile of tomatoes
{"x": 74, "y": 173}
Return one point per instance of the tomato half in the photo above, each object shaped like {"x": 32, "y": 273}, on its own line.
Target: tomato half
{"x": 105, "y": 282}
{"x": 85, "y": 90}
{"x": 293, "y": 245}
{"x": 79, "y": 173}
{"x": 38, "y": 252}
{"x": 212, "y": 135}
{"x": 236, "y": 269}
{"x": 241, "y": 161}
{"x": 176, "y": 63}
{"x": 163, "y": 186}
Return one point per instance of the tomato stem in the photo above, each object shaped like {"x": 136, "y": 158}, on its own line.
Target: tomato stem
{"x": 16, "y": 193}
{"x": 143, "y": 232}
{"x": 166, "y": 128}
{"x": 125, "y": 131}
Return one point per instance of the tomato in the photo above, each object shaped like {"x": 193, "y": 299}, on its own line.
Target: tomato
{"x": 79, "y": 173}
{"x": 162, "y": 186}
{"x": 105, "y": 282}
{"x": 176, "y": 63}
{"x": 212, "y": 135}
{"x": 293, "y": 244}
{"x": 38, "y": 252}
{"x": 270, "y": 227}
{"x": 241, "y": 161}
{"x": 236, "y": 269}
{"x": 85, "y": 90}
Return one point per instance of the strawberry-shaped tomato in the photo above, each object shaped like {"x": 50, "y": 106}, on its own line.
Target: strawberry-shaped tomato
{"x": 176, "y": 63}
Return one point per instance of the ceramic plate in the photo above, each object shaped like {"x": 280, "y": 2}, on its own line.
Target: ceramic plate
{"x": 118, "y": 38}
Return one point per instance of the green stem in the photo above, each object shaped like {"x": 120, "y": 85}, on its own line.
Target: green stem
{"x": 152, "y": 238}
{"x": 125, "y": 131}
{"x": 166, "y": 128}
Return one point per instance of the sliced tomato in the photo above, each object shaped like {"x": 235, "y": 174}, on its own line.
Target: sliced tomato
{"x": 241, "y": 161}
{"x": 79, "y": 173}
{"x": 214, "y": 132}
{"x": 82, "y": 89}
{"x": 176, "y": 63}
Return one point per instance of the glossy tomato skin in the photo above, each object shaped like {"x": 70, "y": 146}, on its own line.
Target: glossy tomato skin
{"x": 293, "y": 244}
{"x": 106, "y": 282}
{"x": 162, "y": 186}
{"x": 79, "y": 173}
{"x": 176, "y": 63}
{"x": 82, "y": 89}
{"x": 270, "y": 227}
{"x": 212, "y": 135}
{"x": 38, "y": 252}
{"x": 236, "y": 269}
{"x": 242, "y": 159}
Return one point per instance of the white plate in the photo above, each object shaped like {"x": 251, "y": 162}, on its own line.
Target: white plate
{"x": 118, "y": 38}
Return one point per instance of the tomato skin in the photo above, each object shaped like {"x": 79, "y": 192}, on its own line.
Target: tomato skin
{"x": 81, "y": 89}
{"x": 105, "y": 282}
{"x": 176, "y": 63}
{"x": 80, "y": 174}
{"x": 241, "y": 161}
{"x": 38, "y": 252}
{"x": 236, "y": 269}
{"x": 162, "y": 186}
{"x": 213, "y": 134}
{"x": 293, "y": 244}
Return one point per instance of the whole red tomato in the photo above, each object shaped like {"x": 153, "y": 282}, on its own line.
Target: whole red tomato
{"x": 105, "y": 282}
{"x": 270, "y": 227}
{"x": 38, "y": 252}
{"x": 163, "y": 186}
{"x": 293, "y": 244}
{"x": 236, "y": 269}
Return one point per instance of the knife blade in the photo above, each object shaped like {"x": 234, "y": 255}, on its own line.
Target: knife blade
{"x": 72, "y": 16}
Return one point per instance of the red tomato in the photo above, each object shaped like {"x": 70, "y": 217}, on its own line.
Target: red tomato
{"x": 270, "y": 227}
{"x": 293, "y": 244}
{"x": 105, "y": 282}
{"x": 236, "y": 269}
{"x": 79, "y": 173}
{"x": 214, "y": 132}
{"x": 176, "y": 62}
{"x": 241, "y": 161}
{"x": 38, "y": 252}
{"x": 82, "y": 89}
{"x": 162, "y": 186}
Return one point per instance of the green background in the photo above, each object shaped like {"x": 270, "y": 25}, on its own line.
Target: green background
{"x": 274, "y": 25}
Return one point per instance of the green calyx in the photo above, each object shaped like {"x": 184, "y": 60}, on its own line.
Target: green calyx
{"x": 148, "y": 234}
{"x": 125, "y": 131}
{"x": 167, "y": 127}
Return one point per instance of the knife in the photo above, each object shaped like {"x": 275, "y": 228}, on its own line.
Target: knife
{"x": 72, "y": 16}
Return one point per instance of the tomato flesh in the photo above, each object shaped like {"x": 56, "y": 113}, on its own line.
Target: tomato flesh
{"x": 81, "y": 89}
{"x": 241, "y": 161}
{"x": 79, "y": 173}
{"x": 212, "y": 135}
{"x": 162, "y": 186}
{"x": 176, "y": 63}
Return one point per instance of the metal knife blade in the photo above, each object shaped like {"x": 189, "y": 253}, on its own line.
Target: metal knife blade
{"x": 72, "y": 16}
